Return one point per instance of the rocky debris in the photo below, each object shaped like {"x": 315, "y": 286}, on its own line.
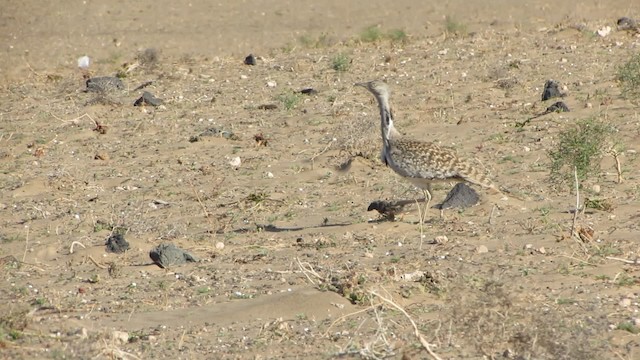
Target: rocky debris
{"x": 309, "y": 91}
{"x": 625, "y": 23}
{"x": 557, "y": 107}
{"x": 147, "y": 98}
{"x": 104, "y": 84}
{"x": 166, "y": 255}
{"x": 551, "y": 90}
{"x": 117, "y": 244}
{"x": 250, "y": 60}
{"x": 214, "y": 132}
{"x": 461, "y": 196}
{"x": 267, "y": 107}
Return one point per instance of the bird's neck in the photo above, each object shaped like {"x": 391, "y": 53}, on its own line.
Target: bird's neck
{"x": 389, "y": 132}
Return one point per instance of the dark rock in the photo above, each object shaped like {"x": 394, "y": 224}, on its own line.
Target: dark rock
{"x": 267, "y": 107}
{"x": 147, "y": 98}
{"x": 625, "y": 23}
{"x": 309, "y": 91}
{"x": 461, "y": 196}
{"x": 117, "y": 244}
{"x": 166, "y": 255}
{"x": 104, "y": 84}
{"x": 557, "y": 107}
{"x": 250, "y": 60}
{"x": 551, "y": 90}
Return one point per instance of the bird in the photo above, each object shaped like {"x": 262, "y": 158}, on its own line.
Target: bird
{"x": 389, "y": 209}
{"x": 420, "y": 162}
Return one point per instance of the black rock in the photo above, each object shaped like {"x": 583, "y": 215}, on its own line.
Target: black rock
{"x": 625, "y": 23}
{"x": 147, "y": 98}
{"x": 309, "y": 91}
{"x": 461, "y": 196}
{"x": 104, "y": 84}
{"x": 250, "y": 60}
{"x": 557, "y": 107}
{"x": 166, "y": 255}
{"x": 551, "y": 90}
{"x": 117, "y": 244}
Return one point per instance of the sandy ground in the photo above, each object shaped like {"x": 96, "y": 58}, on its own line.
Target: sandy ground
{"x": 291, "y": 264}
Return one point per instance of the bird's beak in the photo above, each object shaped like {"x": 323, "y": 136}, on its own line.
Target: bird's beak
{"x": 362, "y": 84}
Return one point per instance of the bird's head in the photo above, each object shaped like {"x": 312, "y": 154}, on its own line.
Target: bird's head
{"x": 377, "y": 87}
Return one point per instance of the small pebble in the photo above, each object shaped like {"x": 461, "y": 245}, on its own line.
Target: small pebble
{"x": 626, "y": 302}
{"x": 604, "y": 31}
{"x": 272, "y": 84}
{"x": 120, "y": 336}
{"x": 441, "y": 239}
{"x": 219, "y": 245}
{"x": 482, "y": 249}
{"x": 235, "y": 162}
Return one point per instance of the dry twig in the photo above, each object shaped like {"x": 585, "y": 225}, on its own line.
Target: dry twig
{"x": 416, "y": 331}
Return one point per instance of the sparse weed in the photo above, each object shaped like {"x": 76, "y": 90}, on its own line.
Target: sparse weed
{"x": 397, "y": 35}
{"x": 565, "y": 301}
{"x": 629, "y": 77}
{"x": 579, "y": 147}
{"x": 491, "y": 318}
{"x": 598, "y": 204}
{"x": 626, "y": 280}
{"x": 608, "y": 250}
{"x": 371, "y": 34}
{"x": 310, "y": 42}
{"x": 340, "y": 62}
{"x": 289, "y": 100}
{"x": 627, "y": 326}
{"x": 453, "y": 27}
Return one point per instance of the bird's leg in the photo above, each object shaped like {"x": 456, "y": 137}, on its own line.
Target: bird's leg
{"x": 423, "y": 214}
{"x": 427, "y": 196}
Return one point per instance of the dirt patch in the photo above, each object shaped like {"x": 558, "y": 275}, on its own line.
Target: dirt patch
{"x": 263, "y": 171}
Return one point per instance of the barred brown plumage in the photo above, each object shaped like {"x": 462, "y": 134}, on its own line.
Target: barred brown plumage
{"x": 420, "y": 162}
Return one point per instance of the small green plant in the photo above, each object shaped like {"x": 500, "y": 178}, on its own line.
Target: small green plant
{"x": 14, "y": 334}
{"x": 340, "y": 62}
{"x": 454, "y": 27}
{"x": 629, "y": 77}
{"x": 579, "y": 147}
{"x": 203, "y": 290}
{"x": 397, "y": 35}
{"x": 310, "y": 42}
{"x": 627, "y": 326}
{"x": 289, "y": 100}
{"x": 371, "y": 34}
{"x": 565, "y": 301}
{"x": 598, "y": 204}
{"x": 626, "y": 280}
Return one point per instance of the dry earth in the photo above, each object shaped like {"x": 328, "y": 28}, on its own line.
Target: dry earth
{"x": 291, "y": 263}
